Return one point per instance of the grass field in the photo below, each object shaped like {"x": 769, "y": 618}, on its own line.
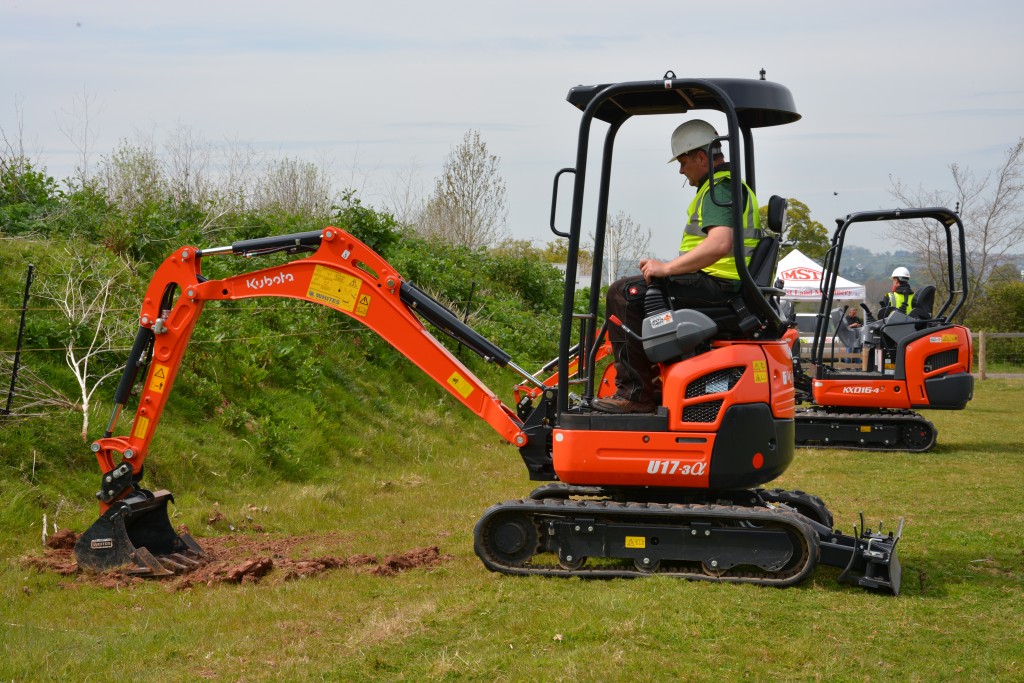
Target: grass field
{"x": 960, "y": 616}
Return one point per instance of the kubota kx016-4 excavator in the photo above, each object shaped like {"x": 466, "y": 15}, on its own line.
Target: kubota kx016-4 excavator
{"x": 914, "y": 359}
{"x": 676, "y": 491}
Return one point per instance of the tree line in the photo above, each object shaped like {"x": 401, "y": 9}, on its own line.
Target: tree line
{"x": 113, "y": 221}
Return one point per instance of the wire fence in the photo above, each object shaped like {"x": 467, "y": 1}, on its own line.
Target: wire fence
{"x": 998, "y": 353}
{"x": 24, "y": 393}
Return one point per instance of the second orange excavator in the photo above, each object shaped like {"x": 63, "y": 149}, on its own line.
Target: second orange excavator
{"x": 913, "y": 360}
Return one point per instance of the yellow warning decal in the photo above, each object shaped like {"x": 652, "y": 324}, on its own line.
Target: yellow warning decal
{"x": 141, "y": 427}
{"x": 335, "y": 289}
{"x": 636, "y": 541}
{"x": 760, "y": 371}
{"x": 363, "y": 305}
{"x": 459, "y": 384}
{"x": 159, "y": 379}
{"x": 865, "y": 428}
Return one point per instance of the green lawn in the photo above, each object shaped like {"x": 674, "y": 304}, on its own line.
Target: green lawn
{"x": 960, "y": 616}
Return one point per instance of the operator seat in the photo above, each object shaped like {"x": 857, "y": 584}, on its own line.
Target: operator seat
{"x": 924, "y": 300}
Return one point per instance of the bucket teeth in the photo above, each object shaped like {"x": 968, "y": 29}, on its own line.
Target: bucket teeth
{"x": 148, "y": 565}
{"x": 135, "y": 533}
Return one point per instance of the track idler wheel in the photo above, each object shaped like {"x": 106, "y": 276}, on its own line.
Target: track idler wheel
{"x": 511, "y": 538}
{"x": 919, "y": 436}
{"x": 135, "y": 534}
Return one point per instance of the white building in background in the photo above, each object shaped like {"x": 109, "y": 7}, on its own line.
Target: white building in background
{"x": 582, "y": 278}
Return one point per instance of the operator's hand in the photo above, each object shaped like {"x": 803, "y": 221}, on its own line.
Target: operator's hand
{"x": 653, "y": 268}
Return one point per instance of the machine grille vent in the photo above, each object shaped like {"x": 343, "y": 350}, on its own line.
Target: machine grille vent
{"x": 702, "y": 412}
{"x": 941, "y": 360}
{"x": 714, "y": 383}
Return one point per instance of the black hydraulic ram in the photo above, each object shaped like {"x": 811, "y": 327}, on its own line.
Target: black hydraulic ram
{"x": 296, "y": 242}
{"x": 440, "y": 317}
{"x": 443, "y": 319}
{"x": 137, "y": 358}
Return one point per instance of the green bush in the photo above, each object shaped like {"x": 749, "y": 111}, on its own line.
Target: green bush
{"x": 27, "y": 196}
{"x": 270, "y": 389}
{"x": 377, "y": 229}
{"x": 1000, "y": 308}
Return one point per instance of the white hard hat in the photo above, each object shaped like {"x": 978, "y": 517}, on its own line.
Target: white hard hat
{"x": 695, "y": 134}
{"x": 901, "y": 273}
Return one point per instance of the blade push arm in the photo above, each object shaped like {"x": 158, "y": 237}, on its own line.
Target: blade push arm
{"x": 343, "y": 274}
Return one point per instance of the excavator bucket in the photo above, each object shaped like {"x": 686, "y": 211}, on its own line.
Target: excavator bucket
{"x": 135, "y": 534}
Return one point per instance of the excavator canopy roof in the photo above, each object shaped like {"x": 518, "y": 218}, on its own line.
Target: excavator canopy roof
{"x": 758, "y": 103}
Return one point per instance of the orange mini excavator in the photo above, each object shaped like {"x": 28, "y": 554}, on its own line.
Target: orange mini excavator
{"x": 914, "y": 359}
{"x": 677, "y": 491}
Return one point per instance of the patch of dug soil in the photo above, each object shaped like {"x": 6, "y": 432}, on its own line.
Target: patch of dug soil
{"x": 245, "y": 558}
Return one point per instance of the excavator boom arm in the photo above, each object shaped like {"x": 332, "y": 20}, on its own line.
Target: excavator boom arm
{"x": 343, "y": 274}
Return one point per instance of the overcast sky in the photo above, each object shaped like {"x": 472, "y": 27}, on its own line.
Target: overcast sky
{"x": 898, "y": 89}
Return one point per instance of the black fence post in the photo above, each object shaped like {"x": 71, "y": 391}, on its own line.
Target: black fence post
{"x": 21, "y": 336}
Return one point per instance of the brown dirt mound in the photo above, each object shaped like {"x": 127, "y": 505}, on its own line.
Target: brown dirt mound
{"x": 62, "y": 540}
{"x": 243, "y": 558}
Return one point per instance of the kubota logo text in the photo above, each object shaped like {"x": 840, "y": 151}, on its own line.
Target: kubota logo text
{"x": 267, "y": 280}
{"x": 801, "y": 273}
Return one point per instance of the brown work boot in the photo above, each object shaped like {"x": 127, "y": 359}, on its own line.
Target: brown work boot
{"x": 619, "y": 404}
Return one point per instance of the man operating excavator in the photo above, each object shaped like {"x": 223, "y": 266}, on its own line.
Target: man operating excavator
{"x": 901, "y": 298}
{"x": 703, "y": 274}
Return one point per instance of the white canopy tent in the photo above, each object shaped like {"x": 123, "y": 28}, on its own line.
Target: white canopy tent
{"x": 802, "y": 279}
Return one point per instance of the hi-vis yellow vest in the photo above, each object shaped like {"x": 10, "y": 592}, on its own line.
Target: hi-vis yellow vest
{"x": 693, "y": 234}
{"x": 900, "y": 301}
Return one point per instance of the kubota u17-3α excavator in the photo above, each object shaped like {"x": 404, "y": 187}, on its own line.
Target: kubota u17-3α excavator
{"x": 677, "y": 491}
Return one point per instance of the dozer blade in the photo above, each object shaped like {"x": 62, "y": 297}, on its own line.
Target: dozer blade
{"x": 868, "y": 558}
{"x": 135, "y": 534}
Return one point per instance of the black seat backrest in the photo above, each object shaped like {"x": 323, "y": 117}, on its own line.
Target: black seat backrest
{"x": 766, "y": 253}
{"x": 762, "y": 260}
{"x": 924, "y": 301}
{"x": 776, "y": 214}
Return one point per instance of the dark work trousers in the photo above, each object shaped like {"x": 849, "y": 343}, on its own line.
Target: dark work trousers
{"x": 634, "y": 374}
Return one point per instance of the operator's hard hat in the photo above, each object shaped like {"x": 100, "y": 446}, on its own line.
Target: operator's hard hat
{"x": 901, "y": 273}
{"x": 695, "y": 134}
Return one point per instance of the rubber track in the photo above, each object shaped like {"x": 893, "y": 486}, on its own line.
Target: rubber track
{"x": 901, "y": 417}
{"x": 548, "y": 509}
